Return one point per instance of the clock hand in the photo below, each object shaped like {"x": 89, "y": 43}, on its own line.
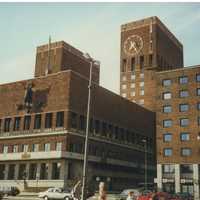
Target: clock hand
{"x": 132, "y": 46}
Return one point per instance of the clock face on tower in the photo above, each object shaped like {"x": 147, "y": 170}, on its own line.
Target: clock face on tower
{"x": 133, "y": 45}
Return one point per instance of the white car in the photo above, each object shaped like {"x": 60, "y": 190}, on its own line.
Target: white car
{"x": 55, "y": 193}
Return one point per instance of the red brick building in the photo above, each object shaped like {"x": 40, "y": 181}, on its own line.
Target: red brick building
{"x": 42, "y": 127}
{"x": 152, "y": 75}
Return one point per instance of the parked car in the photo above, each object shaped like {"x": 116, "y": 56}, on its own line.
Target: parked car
{"x": 9, "y": 190}
{"x": 156, "y": 196}
{"x": 175, "y": 197}
{"x": 185, "y": 196}
{"x": 56, "y": 193}
{"x": 123, "y": 195}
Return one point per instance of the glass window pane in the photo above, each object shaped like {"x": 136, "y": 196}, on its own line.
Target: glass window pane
{"x": 183, "y": 79}
{"x": 167, "y": 82}
{"x": 167, "y": 109}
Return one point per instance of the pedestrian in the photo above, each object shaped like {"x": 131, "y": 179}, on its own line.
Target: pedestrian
{"x": 130, "y": 196}
{"x": 102, "y": 191}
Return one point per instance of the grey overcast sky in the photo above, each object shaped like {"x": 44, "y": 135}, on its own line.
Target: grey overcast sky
{"x": 90, "y": 27}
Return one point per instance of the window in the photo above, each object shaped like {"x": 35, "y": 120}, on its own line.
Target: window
{"x": 48, "y": 120}
{"x": 56, "y": 171}
{"x": 2, "y": 171}
{"x": 123, "y": 78}
{"x": 24, "y": 147}
{"x": 22, "y": 172}
{"x": 15, "y": 148}
{"x": 5, "y": 149}
{"x": 27, "y": 122}
{"x": 168, "y": 168}
{"x": 166, "y": 82}
{"x": 73, "y": 120}
{"x": 198, "y": 77}
{"x": 60, "y": 119}
{"x": 142, "y": 63}
{"x": 17, "y": 123}
{"x": 97, "y": 126}
{"x": 186, "y": 151}
{"x": 37, "y": 122}
{"x": 132, "y": 77}
{"x": 133, "y": 64}
{"x": 35, "y": 147}
{"x": 7, "y": 123}
{"x": 141, "y": 102}
{"x": 123, "y": 65}
{"x": 150, "y": 58}
{"x": 198, "y": 121}
{"x": 124, "y": 86}
{"x": 124, "y": 95}
{"x": 0, "y": 124}
{"x": 44, "y": 168}
{"x": 141, "y": 84}
{"x": 132, "y": 85}
{"x": 198, "y": 91}
{"x": 183, "y": 93}
{"x": 32, "y": 171}
{"x": 167, "y": 109}
{"x": 11, "y": 172}
{"x": 167, "y": 95}
{"x": 132, "y": 93}
{"x": 141, "y": 92}
{"x": 183, "y": 80}
{"x": 167, "y": 137}
{"x": 58, "y": 146}
{"x": 167, "y": 152}
{"x": 82, "y": 122}
{"x": 167, "y": 123}
{"x": 183, "y": 107}
{"x": 184, "y": 122}
{"x": 47, "y": 147}
{"x": 198, "y": 106}
{"x": 185, "y": 136}
{"x": 186, "y": 169}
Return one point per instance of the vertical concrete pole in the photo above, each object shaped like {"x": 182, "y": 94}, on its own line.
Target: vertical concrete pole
{"x": 159, "y": 176}
{"x": 177, "y": 178}
{"x": 196, "y": 181}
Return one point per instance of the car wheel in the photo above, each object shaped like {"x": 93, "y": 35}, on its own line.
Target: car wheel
{"x": 46, "y": 198}
{"x": 66, "y": 198}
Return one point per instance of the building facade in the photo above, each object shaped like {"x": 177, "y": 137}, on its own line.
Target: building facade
{"x": 147, "y": 46}
{"x": 178, "y": 130}
{"x": 152, "y": 75}
{"x": 42, "y": 128}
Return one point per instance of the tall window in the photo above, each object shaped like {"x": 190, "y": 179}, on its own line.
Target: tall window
{"x": 60, "y": 119}
{"x": 48, "y": 120}
{"x": 73, "y": 120}
{"x": 141, "y": 63}
{"x": 27, "y": 122}
{"x": 167, "y": 123}
{"x": 5, "y": 149}
{"x": 35, "y": 147}
{"x": 7, "y": 124}
{"x": 198, "y": 91}
{"x": 58, "y": 146}
{"x": 150, "y": 60}
{"x": 133, "y": 64}
{"x": 37, "y": 122}
{"x": 24, "y": 148}
{"x": 22, "y": 172}
{"x": 168, "y": 168}
{"x": 17, "y": 124}
{"x": 32, "y": 171}
{"x": 82, "y": 122}
{"x": 97, "y": 126}
{"x": 44, "y": 168}
{"x": 198, "y": 106}
{"x": 183, "y": 80}
{"x": 198, "y": 77}
{"x": 56, "y": 171}
{"x": 124, "y": 65}
{"x": 11, "y": 172}
{"x": 183, "y": 107}
{"x": 47, "y": 147}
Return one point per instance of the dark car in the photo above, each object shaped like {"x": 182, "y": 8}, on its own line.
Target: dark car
{"x": 9, "y": 190}
{"x": 185, "y": 196}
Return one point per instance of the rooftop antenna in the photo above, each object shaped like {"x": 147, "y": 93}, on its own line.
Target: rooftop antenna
{"x": 48, "y": 64}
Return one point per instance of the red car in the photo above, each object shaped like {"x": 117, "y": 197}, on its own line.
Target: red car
{"x": 155, "y": 196}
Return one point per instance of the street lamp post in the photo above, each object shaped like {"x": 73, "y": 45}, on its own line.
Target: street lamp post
{"x": 92, "y": 62}
{"x": 145, "y": 163}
